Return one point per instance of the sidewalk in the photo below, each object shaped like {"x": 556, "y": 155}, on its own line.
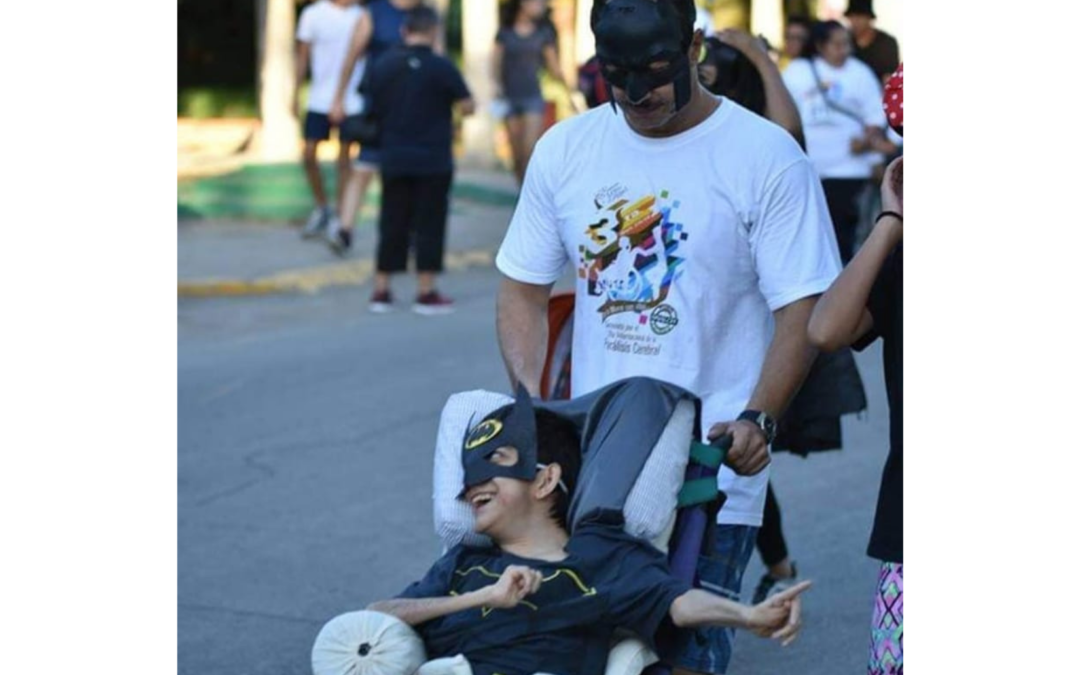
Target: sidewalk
{"x": 225, "y": 256}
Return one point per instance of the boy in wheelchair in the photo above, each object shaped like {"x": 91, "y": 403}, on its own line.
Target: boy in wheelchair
{"x": 544, "y": 600}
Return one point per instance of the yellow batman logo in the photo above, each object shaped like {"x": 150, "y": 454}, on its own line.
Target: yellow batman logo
{"x": 482, "y": 433}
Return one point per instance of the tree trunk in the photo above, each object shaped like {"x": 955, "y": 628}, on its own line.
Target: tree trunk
{"x": 480, "y": 22}
{"x": 277, "y": 81}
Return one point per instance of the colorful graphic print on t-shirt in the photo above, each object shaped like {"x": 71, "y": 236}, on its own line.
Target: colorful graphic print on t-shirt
{"x": 630, "y": 257}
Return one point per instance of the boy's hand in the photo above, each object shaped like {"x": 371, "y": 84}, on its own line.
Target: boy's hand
{"x": 779, "y": 617}
{"x": 516, "y": 583}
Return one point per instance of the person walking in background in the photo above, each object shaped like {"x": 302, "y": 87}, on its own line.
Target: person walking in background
{"x": 524, "y": 44}
{"x": 839, "y": 101}
{"x": 737, "y": 65}
{"x": 414, "y": 93}
{"x": 322, "y": 40}
{"x": 866, "y": 303}
{"x": 376, "y": 33}
{"x": 873, "y": 46}
{"x": 796, "y": 35}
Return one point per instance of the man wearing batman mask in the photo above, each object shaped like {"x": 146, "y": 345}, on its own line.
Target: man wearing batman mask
{"x": 540, "y": 599}
{"x": 747, "y": 250}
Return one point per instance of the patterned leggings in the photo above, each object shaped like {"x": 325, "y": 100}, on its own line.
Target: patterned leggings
{"x": 887, "y": 629}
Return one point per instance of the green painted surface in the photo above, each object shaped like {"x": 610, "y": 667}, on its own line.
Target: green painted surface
{"x": 280, "y": 192}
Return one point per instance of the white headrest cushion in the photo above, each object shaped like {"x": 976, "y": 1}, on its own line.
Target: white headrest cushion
{"x": 649, "y": 509}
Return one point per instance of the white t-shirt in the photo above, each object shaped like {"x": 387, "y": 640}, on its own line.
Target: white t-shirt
{"x": 328, "y": 28}
{"x": 853, "y": 87}
{"x": 745, "y": 231}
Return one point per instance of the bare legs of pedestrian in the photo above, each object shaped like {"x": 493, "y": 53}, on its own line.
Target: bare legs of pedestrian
{"x": 344, "y": 170}
{"x": 352, "y": 199}
{"x": 524, "y": 131}
{"x": 314, "y": 176}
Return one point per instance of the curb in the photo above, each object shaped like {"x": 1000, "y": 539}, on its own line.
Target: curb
{"x": 198, "y": 199}
{"x": 311, "y": 280}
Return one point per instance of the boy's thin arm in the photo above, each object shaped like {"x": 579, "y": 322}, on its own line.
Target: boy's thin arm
{"x": 701, "y": 608}
{"x": 515, "y": 583}
{"x": 779, "y": 617}
{"x": 415, "y": 611}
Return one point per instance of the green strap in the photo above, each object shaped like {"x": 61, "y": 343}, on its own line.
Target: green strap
{"x": 698, "y": 491}
{"x": 707, "y": 455}
{"x": 702, "y": 490}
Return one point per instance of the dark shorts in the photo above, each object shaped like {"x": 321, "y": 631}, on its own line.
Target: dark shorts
{"x": 708, "y": 650}
{"x": 317, "y": 126}
{"x": 534, "y": 105}
{"x": 369, "y": 158}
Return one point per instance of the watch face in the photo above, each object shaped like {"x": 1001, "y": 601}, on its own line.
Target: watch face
{"x": 767, "y": 425}
{"x": 762, "y": 421}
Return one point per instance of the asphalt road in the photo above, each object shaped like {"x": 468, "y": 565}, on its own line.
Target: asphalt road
{"x": 306, "y": 433}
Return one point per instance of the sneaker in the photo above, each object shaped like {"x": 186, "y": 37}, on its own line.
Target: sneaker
{"x": 381, "y": 302}
{"x": 340, "y": 240}
{"x": 316, "y": 222}
{"x": 770, "y": 585}
{"x": 433, "y": 303}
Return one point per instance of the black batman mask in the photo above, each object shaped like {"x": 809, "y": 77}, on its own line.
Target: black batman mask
{"x": 630, "y": 35}
{"x": 512, "y": 425}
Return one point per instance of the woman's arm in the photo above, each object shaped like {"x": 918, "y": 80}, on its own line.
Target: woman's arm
{"x": 840, "y": 317}
{"x": 779, "y": 105}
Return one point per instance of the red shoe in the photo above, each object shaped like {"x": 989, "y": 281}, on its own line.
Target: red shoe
{"x": 433, "y": 303}
{"x": 381, "y": 302}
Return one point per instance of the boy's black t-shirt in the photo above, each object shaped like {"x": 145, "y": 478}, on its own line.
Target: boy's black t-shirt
{"x": 413, "y": 91}
{"x": 609, "y": 580}
{"x": 886, "y": 306}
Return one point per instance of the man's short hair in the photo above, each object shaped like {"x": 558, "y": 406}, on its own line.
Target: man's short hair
{"x": 421, "y": 19}
{"x": 686, "y": 9}
{"x": 558, "y": 442}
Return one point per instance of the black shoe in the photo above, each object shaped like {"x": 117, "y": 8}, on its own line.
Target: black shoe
{"x": 340, "y": 240}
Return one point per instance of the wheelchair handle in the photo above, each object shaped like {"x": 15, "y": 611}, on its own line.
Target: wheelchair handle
{"x": 723, "y": 444}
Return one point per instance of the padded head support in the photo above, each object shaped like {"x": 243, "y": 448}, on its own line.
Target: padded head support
{"x": 636, "y": 437}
